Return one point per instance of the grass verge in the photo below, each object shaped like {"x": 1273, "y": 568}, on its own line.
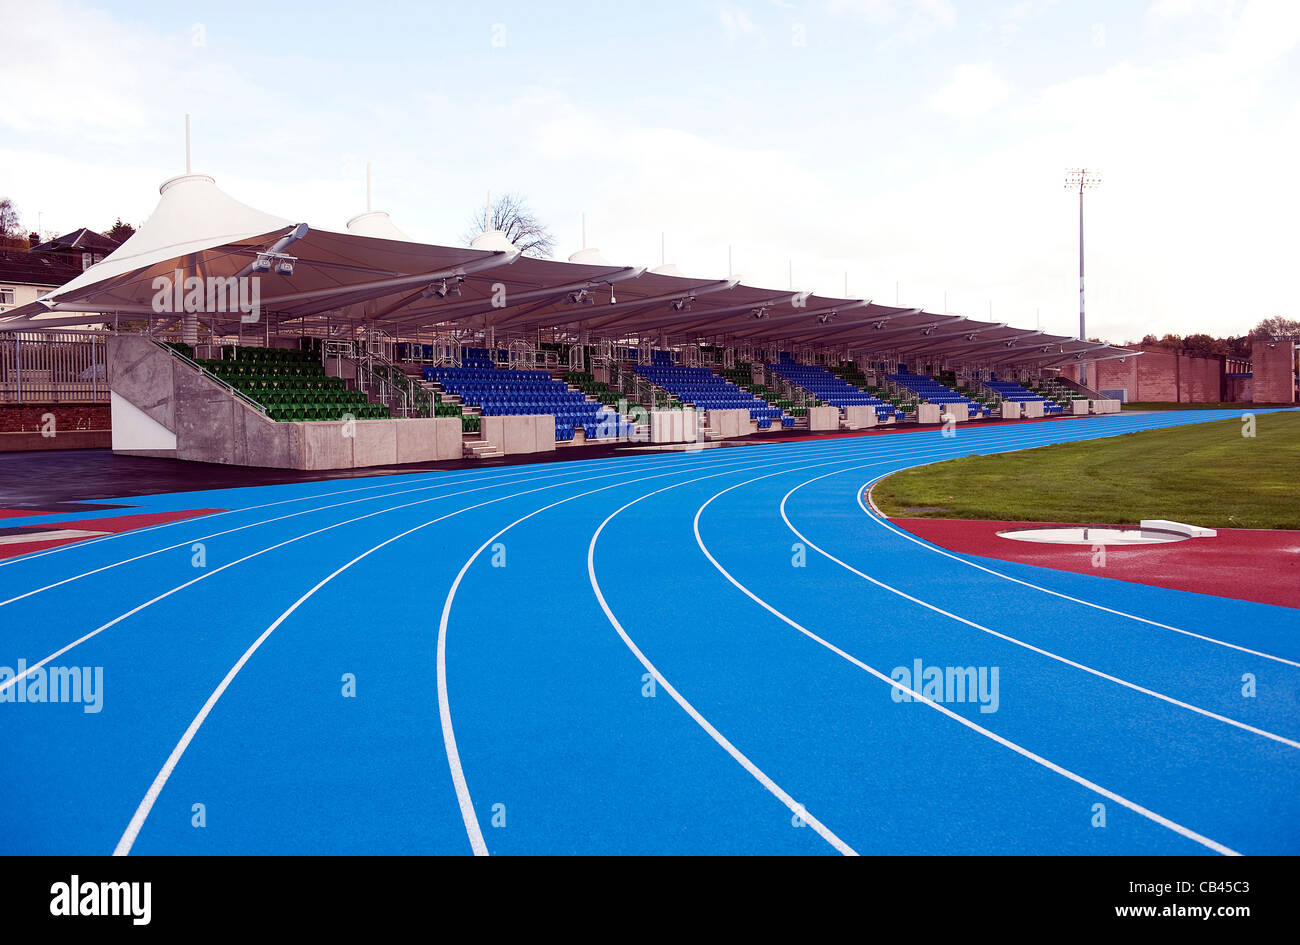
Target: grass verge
{"x": 1208, "y": 474}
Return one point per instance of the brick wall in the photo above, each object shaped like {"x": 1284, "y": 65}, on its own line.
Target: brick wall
{"x": 1162, "y": 375}
{"x": 1240, "y": 390}
{"x": 1274, "y": 372}
{"x": 67, "y": 417}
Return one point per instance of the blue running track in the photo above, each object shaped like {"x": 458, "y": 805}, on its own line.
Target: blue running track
{"x": 669, "y": 653}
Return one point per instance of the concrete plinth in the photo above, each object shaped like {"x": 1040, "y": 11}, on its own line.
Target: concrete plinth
{"x": 673, "y": 426}
{"x": 1010, "y": 410}
{"x": 727, "y": 423}
{"x": 520, "y": 434}
{"x": 929, "y": 413}
{"x": 823, "y": 418}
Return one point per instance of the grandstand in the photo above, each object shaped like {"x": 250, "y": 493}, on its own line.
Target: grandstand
{"x": 370, "y": 325}
{"x": 702, "y": 389}
{"x": 1016, "y": 393}
{"x": 931, "y": 391}
{"x": 289, "y": 385}
{"x": 832, "y": 389}
{"x": 497, "y": 392}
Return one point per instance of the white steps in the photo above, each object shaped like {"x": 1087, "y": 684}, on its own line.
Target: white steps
{"x": 478, "y": 449}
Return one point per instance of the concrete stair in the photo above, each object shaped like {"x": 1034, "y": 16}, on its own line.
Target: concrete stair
{"x": 473, "y": 446}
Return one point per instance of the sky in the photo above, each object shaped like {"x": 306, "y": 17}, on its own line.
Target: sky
{"x": 911, "y": 150}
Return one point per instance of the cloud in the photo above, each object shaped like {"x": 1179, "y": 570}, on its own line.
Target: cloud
{"x": 735, "y": 21}
{"x": 900, "y": 22}
{"x": 972, "y": 91}
{"x": 1190, "y": 231}
{"x": 1266, "y": 31}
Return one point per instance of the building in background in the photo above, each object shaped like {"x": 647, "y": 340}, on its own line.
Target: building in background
{"x": 81, "y": 248}
{"x": 26, "y": 276}
{"x": 1167, "y": 375}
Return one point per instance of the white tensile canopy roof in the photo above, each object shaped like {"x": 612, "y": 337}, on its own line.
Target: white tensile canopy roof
{"x": 376, "y": 223}
{"x": 376, "y": 275}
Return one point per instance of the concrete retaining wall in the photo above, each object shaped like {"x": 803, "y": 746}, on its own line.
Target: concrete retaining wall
{"x": 1010, "y": 410}
{"x": 163, "y": 407}
{"x": 69, "y": 440}
{"x": 1034, "y": 408}
{"x": 1079, "y": 407}
{"x": 1105, "y": 406}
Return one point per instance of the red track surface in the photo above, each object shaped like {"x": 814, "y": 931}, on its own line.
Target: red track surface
{"x": 120, "y": 523}
{"x": 1247, "y": 564}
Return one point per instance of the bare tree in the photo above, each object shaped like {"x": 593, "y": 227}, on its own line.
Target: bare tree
{"x": 1276, "y": 327}
{"x": 11, "y": 226}
{"x": 513, "y": 217}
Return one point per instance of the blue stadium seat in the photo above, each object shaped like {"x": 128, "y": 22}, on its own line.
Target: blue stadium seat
{"x": 499, "y": 392}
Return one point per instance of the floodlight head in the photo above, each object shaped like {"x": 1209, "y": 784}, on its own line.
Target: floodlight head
{"x": 1081, "y": 178}
{"x": 262, "y": 263}
{"x": 284, "y": 265}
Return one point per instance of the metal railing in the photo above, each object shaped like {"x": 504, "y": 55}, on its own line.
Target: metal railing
{"x": 226, "y": 386}
{"x": 379, "y": 374}
{"x": 53, "y": 367}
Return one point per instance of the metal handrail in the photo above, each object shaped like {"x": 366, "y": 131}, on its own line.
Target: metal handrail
{"x": 186, "y": 359}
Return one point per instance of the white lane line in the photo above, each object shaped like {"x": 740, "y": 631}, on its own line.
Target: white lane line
{"x": 1291, "y": 743}
{"x": 463, "y": 798}
{"x": 13, "y": 680}
{"x": 882, "y": 520}
{"x": 994, "y": 736}
{"x": 324, "y": 495}
{"x": 146, "y": 805}
{"x": 143, "y": 510}
{"x": 142, "y": 811}
{"x": 33, "y": 667}
{"x": 723, "y": 742}
{"x": 230, "y": 531}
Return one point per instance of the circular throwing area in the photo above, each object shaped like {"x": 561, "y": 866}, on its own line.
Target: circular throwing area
{"x": 1093, "y": 535}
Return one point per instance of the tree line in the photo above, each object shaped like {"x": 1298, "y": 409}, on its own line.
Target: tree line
{"x": 1273, "y": 328}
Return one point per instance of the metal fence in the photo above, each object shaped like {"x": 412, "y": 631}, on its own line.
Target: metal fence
{"x": 52, "y": 367}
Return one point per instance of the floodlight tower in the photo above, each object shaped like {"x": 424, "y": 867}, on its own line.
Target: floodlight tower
{"x": 1081, "y": 178}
